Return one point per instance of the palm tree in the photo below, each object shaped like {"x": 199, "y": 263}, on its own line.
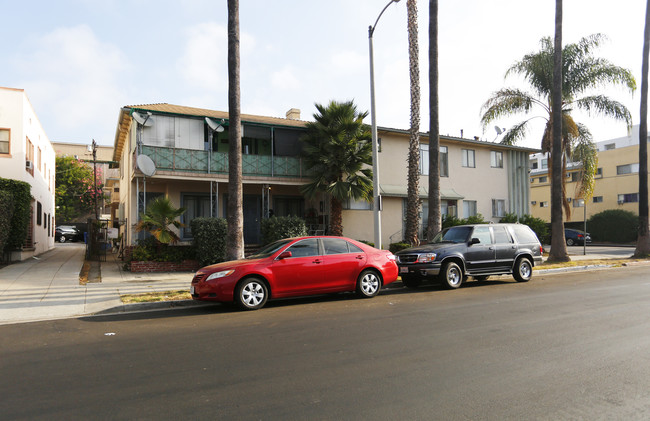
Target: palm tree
{"x": 558, "y": 247}
{"x": 434, "y": 219}
{"x": 643, "y": 241}
{"x": 337, "y": 148}
{"x": 413, "y": 194}
{"x": 160, "y": 214}
{"x": 235, "y": 217}
{"x": 581, "y": 73}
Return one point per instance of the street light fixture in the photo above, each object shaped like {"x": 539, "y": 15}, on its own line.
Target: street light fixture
{"x": 373, "y": 118}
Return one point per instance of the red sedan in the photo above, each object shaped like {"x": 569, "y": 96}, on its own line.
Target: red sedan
{"x": 295, "y": 267}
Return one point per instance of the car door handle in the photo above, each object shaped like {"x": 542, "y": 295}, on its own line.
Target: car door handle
{"x": 316, "y": 261}
{"x": 359, "y": 257}
{"x": 490, "y": 248}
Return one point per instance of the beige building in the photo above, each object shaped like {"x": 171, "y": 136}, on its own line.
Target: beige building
{"x": 182, "y": 153}
{"x": 616, "y": 187}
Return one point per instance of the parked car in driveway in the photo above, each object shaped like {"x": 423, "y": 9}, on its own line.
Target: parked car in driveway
{"x": 576, "y": 237}
{"x": 63, "y": 233}
{"x": 297, "y": 267}
{"x": 478, "y": 250}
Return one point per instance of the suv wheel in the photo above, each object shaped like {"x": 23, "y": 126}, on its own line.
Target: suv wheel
{"x": 452, "y": 275}
{"x": 523, "y": 270}
{"x": 62, "y": 239}
{"x": 569, "y": 242}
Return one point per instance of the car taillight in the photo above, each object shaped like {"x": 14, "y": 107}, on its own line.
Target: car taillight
{"x": 580, "y": 235}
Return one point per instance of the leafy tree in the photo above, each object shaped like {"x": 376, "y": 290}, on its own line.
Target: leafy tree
{"x": 413, "y": 193}
{"x": 75, "y": 188}
{"x": 160, "y": 214}
{"x": 583, "y": 75}
{"x": 235, "y": 217}
{"x": 434, "y": 224}
{"x": 643, "y": 240}
{"x": 337, "y": 148}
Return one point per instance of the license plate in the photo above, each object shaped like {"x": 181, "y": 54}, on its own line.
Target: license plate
{"x": 192, "y": 290}
{"x": 403, "y": 270}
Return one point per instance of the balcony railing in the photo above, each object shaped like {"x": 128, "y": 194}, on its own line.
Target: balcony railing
{"x": 191, "y": 160}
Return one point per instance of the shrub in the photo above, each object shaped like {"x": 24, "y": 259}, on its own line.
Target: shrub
{"x": 6, "y": 212}
{"x": 476, "y": 219}
{"x": 395, "y": 247}
{"x": 277, "y": 228}
{"x": 452, "y": 221}
{"x": 22, "y": 197}
{"x": 209, "y": 239}
{"x": 152, "y": 250}
{"x": 614, "y": 225}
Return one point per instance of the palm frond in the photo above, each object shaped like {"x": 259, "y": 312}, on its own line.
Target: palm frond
{"x": 600, "y": 104}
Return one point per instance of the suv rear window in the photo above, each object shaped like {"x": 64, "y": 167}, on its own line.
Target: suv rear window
{"x": 523, "y": 234}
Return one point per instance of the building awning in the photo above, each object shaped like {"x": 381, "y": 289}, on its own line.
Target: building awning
{"x": 392, "y": 190}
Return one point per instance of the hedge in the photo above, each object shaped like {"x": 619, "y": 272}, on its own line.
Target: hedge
{"x": 614, "y": 226}
{"x": 19, "y": 224}
{"x": 277, "y": 228}
{"x": 209, "y": 239}
{"x": 6, "y": 212}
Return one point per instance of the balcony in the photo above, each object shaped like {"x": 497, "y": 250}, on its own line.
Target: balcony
{"x": 196, "y": 161}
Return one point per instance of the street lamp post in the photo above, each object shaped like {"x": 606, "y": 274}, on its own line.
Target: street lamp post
{"x": 94, "y": 146}
{"x": 375, "y": 153}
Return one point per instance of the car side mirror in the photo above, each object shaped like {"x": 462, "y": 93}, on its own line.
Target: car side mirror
{"x": 474, "y": 241}
{"x": 284, "y": 255}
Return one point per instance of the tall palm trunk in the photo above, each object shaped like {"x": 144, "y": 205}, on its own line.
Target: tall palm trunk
{"x": 413, "y": 198}
{"x": 558, "y": 247}
{"x": 336, "y": 218}
{"x": 434, "y": 218}
{"x": 643, "y": 241}
{"x": 235, "y": 217}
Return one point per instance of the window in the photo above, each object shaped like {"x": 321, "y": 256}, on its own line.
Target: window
{"x": 335, "y": 246}
{"x": 196, "y": 206}
{"x": 469, "y": 208}
{"x": 468, "y": 158}
{"x": 543, "y": 204}
{"x": 496, "y": 159}
{"x": 39, "y": 213}
{"x": 575, "y": 176}
{"x": 483, "y": 234}
{"x": 599, "y": 173}
{"x": 498, "y": 207}
{"x": 5, "y": 137}
{"x": 627, "y": 169}
{"x": 305, "y": 248}
{"x": 598, "y": 199}
{"x": 544, "y": 163}
{"x": 534, "y": 165}
{"x": 501, "y": 235}
{"x": 443, "y": 161}
{"x": 29, "y": 156}
{"x": 353, "y": 204}
{"x": 449, "y": 208}
{"x": 578, "y": 203}
{"x": 628, "y": 198}
{"x": 543, "y": 179}
{"x": 610, "y": 146}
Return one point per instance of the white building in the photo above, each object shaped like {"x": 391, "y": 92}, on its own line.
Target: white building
{"x": 26, "y": 154}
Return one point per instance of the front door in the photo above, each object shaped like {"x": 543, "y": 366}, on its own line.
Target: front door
{"x": 480, "y": 256}
{"x": 252, "y": 214}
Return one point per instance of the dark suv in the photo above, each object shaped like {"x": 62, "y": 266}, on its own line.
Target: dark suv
{"x": 472, "y": 250}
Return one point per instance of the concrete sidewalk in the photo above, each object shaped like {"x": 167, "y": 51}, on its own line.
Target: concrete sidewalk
{"x": 48, "y": 287}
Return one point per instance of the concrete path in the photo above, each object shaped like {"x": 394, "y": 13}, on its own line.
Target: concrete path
{"x": 48, "y": 287}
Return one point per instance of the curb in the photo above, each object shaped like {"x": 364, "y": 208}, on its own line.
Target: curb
{"x": 152, "y": 306}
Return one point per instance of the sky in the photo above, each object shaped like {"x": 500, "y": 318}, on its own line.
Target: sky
{"x": 80, "y": 61}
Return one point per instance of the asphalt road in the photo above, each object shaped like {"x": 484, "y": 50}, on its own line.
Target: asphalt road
{"x": 565, "y": 346}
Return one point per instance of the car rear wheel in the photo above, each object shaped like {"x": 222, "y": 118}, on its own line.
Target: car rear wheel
{"x": 411, "y": 281}
{"x": 368, "y": 284}
{"x": 523, "y": 270}
{"x": 570, "y": 242}
{"x": 62, "y": 239}
{"x": 452, "y": 275}
{"x": 251, "y": 294}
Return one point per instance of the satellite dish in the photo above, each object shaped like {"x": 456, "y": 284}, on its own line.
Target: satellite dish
{"x": 146, "y": 165}
{"x": 499, "y": 130}
{"x": 214, "y": 125}
{"x": 145, "y": 121}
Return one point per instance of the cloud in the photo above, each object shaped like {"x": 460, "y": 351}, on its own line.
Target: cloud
{"x": 285, "y": 79}
{"x": 69, "y": 73}
{"x": 204, "y": 63}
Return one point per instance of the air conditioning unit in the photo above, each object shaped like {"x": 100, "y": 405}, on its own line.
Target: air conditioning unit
{"x": 534, "y": 202}
{"x": 621, "y": 201}
{"x": 29, "y": 164}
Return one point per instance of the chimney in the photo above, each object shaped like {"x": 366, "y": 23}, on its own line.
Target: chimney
{"x": 293, "y": 114}
{"x": 461, "y": 133}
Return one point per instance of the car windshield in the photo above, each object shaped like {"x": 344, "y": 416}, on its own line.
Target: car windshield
{"x": 269, "y": 249}
{"x": 452, "y": 235}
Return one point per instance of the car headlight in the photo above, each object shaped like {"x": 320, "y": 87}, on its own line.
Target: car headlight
{"x": 426, "y": 258}
{"x": 221, "y": 274}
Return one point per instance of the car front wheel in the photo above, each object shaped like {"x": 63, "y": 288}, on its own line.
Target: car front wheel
{"x": 523, "y": 270}
{"x": 252, "y": 294}
{"x": 452, "y": 275}
{"x": 368, "y": 284}
{"x": 570, "y": 242}
{"x": 62, "y": 239}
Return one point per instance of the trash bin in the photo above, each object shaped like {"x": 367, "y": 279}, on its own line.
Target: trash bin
{"x": 86, "y": 237}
